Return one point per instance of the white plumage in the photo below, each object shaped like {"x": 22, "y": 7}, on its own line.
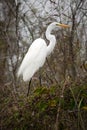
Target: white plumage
{"x": 37, "y": 53}
{"x": 33, "y": 60}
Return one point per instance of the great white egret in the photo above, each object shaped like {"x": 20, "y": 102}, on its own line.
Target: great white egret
{"x": 37, "y": 53}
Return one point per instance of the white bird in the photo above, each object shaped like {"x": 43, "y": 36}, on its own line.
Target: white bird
{"x": 37, "y": 53}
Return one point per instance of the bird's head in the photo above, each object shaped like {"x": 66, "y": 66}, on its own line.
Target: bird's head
{"x": 56, "y": 24}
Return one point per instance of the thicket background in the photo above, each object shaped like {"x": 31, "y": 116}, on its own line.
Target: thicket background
{"x": 58, "y": 93}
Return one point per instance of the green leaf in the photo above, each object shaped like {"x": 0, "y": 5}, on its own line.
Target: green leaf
{"x": 53, "y": 103}
{"x": 42, "y": 105}
{"x": 40, "y": 90}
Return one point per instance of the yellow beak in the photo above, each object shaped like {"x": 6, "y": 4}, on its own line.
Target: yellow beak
{"x": 63, "y": 25}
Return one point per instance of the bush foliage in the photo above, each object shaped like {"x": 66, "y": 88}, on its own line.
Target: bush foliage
{"x": 39, "y": 110}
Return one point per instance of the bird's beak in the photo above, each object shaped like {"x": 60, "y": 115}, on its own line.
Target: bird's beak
{"x": 63, "y": 25}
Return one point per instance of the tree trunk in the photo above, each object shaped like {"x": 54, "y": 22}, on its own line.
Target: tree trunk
{"x": 3, "y": 52}
{"x": 71, "y": 51}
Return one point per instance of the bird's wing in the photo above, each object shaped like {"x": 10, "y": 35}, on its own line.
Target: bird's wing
{"x": 34, "y": 58}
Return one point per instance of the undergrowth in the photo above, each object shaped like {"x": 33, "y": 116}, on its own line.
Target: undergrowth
{"x": 39, "y": 110}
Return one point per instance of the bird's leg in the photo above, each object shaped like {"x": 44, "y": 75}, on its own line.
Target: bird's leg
{"x": 40, "y": 78}
{"x": 29, "y": 87}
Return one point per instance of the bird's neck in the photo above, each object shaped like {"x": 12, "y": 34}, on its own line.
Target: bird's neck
{"x": 52, "y": 42}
